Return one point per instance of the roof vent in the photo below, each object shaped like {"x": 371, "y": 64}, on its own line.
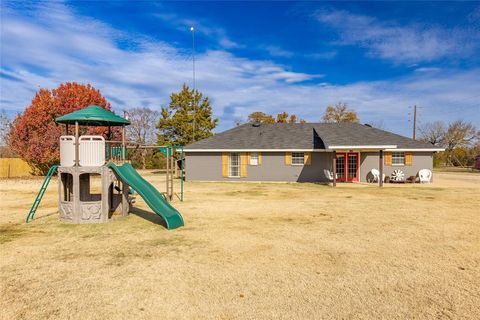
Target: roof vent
{"x": 256, "y": 124}
{"x": 368, "y": 125}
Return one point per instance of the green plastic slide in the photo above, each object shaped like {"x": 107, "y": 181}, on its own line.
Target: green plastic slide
{"x": 152, "y": 197}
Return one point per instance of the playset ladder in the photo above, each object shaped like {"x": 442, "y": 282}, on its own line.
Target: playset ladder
{"x": 41, "y": 192}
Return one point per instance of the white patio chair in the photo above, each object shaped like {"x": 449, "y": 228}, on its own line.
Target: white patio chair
{"x": 329, "y": 174}
{"x": 375, "y": 174}
{"x": 425, "y": 176}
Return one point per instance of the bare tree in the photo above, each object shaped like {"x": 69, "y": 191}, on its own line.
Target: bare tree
{"x": 433, "y": 132}
{"x": 238, "y": 121}
{"x": 142, "y": 128}
{"x": 459, "y": 134}
{"x": 5, "y": 126}
{"x": 379, "y": 124}
{"x": 339, "y": 113}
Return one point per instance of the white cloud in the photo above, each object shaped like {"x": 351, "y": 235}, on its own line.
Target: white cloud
{"x": 400, "y": 43}
{"x": 50, "y": 49}
{"x": 276, "y": 51}
{"x": 201, "y": 26}
{"x": 323, "y": 55}
{"x": 427, "y": 69}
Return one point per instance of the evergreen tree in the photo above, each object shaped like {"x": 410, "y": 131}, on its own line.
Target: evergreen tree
{"x": 187, "y": 118}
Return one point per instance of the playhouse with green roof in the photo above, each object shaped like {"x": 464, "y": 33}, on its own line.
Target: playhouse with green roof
{"x": 95, "y": 181}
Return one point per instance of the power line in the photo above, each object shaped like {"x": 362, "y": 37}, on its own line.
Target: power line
{"x": 458, "y": 104}
{"x": 414, "y": 120}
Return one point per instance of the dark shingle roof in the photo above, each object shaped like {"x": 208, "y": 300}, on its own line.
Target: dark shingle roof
{"x": 304, "y": 136}
{"x": 354, "y": 134}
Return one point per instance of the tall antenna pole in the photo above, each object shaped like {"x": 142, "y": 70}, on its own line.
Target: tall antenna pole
{"x": 192, "y": 29}
{"x": 414, "y": 121}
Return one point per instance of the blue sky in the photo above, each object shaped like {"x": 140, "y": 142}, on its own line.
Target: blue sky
{"x": 379, "y": 57}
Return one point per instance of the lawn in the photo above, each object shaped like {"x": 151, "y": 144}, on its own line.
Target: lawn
{"x": 250, "y": 251}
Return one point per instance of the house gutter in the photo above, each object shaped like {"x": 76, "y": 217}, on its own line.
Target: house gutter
{"x": 377, "y": 147}
{"x": 257, "y": 150}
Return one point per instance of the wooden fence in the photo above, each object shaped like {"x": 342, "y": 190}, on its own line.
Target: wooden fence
{"x": 14, "y": 167}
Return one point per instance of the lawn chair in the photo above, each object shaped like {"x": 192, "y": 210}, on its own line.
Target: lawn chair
{"x": 328, "y": 174}
{"x": 425, "y": 176}
{"x": 375, "y": 175}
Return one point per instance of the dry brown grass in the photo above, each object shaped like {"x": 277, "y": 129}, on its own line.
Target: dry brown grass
{"x": 251, "y": 251}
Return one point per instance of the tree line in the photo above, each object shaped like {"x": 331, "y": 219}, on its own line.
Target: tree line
{"x": 460, "y": 139}
{"x": 34, "y": 136}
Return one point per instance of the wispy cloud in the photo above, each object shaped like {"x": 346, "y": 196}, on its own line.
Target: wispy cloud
{"x": 277, "y": 51}
{"x": 63, "y": 46}
{"x": 53, "y": 44}
{"x": 201, "y": 26}
{"x": 323, "y": 55}
{"x": 428, "y": 69}
{"x": 400, "y": 43}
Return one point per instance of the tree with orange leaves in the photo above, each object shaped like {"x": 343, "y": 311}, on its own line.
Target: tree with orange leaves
{"x": 35, "y": 135}
{"x": 282, "y": 117}
{"x": 339, "y": 113}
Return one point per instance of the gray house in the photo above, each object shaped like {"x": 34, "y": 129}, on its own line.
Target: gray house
{"x": 305, "y": 152}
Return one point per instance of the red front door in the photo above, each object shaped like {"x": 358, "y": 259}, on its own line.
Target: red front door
{"x": 347, "y": 166}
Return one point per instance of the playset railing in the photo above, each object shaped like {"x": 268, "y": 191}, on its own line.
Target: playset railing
{"x": 67, "y": 151}
{"x": 115, "y": 151}
{"x": 93, "y": 151}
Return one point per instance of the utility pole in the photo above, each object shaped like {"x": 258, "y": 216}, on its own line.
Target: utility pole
{"x": 414, "y": 121}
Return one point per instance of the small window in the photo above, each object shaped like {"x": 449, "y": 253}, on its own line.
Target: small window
{"x": 254, "y": 159}
{"x": 66, "y": 185}
{"x": 398, "y": 158}
{"x": 298, "y": 158}
{"x": 234, "y": 165}
{"x": 90, "y": 187}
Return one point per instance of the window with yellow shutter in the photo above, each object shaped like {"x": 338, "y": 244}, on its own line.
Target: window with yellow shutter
{"x": 243, "y": 164}
{"x": 225, "y": 161}
{"x": 398, "y": 158}
{"x": 254, "y": 159}
{"x": 388, "y": 158}
{"x": 288, "y": 158}
{"x": 307, "y": 159}
{"x": 408, "y": 158}
{"x": 298, "y": 158}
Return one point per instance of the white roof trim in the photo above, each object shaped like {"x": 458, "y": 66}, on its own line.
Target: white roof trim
{"x": 256, "y": 150}
{"x": 417, "y": 149}
{"x": 390, "y": 146}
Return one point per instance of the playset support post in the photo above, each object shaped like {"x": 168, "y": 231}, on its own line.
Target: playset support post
{"x": 380, "y": 166}
{"x": 171, "y": 170}
{"x": 123, "y": 144}
{"x": 334, "y": 164}
{"x": 77, "y": 145}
